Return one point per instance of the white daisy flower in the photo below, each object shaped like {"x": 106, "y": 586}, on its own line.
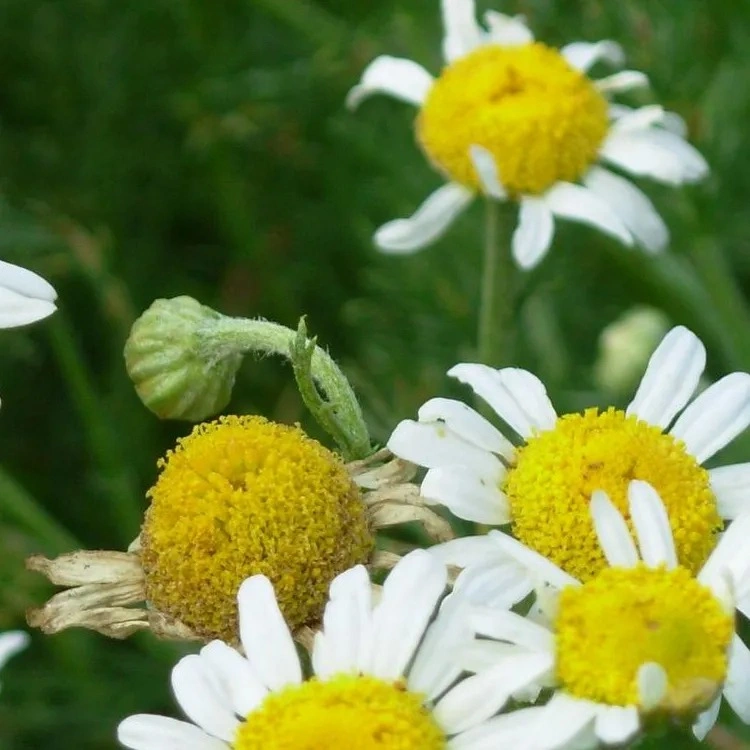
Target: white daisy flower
{"x": 644, "y": 636}
{"x": 25, "y": 297}
{"x": 11, "y": 643}
{"x": 516, "y": 120}
{"x": 542, "y": 486}
{"x": 384, "y": 674}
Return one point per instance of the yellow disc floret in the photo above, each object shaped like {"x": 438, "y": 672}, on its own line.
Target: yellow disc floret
{"x": 556, "y": 472}
{"x": 627, "y": 617}
{"x": 541, "y": 119}
{"x": 242, "y": 496}
{"x": 348, "y": 711}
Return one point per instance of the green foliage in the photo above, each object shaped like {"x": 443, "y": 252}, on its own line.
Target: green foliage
{"x": 156, "y": 148}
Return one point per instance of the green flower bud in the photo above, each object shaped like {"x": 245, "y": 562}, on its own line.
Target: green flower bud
{"x": 168, "y": 365}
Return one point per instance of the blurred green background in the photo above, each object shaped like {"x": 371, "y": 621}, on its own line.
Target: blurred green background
{"x": 156, "y": 148}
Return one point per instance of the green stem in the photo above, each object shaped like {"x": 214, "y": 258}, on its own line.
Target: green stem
{"x": 100, "y": 432}
{"x": 496, "y": 300}
{"x": 19, "y": 506}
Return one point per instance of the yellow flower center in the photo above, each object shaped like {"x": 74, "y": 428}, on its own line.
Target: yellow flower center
{"x": 242, "y": 496}
{"x": 626, "y": 617}
{"x": 556, "y": 472}
{"x": 541, "y": 119}
{"x": 347, "y": 711}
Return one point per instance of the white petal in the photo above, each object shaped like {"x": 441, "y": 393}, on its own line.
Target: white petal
{"x": 507, "y": 31}
{"x": 25, "y": 283}
{"x": 643, "y": 118}
{"x": 731, "y": 557}
{"x": 652, "y": 527}
{"x": 578, "y": 203}
{"x": 11, "y": 643}
{"x": 18, "y": 310}
{"x": 583, "y": 55}
{"x": 731, "y": 485}
{"x": 468, "y": 424}
{"x": 428, "y": 223}
{"x": 652, "y": 685}
{"x": 494, "y": 584}
{"x": 462, "y": 33}
{"x": 435, "y": 445}
{"x": 482, "y": 695}
{"x": 236, "y": 676}
{"x": 670, "y": 379}
{"x": 148, "y": 732}
{"x": 612, "y": 531}
{"x": 655, "y": 153}
{"x": 199, "y": 696}
{"x": 533, "y": 235}
{"x": 625, "y": 80}
{"x": 395, "y": 76}
{"x": 486, "y": 169}
{"x": 510, "y": 627}
{"x": 410, "y": 595}
{"x": 265, "y": 635}
{"x": 518, "y": 396}
{"x": 617, "y": 724}
{"x": 737, "y": 685}
{"x": 563, "y": 719}
{"x": 631, "y": 205}
{"x": 706, "y": 720}
{"x": 716, "y": 417}
{"x": 466, "y": 495}
{"x": 468, "y": 550}
{"x": 540, "y": 568}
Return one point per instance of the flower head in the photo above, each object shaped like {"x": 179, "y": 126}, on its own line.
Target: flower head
{"x": 644, "y": 638}
{"x": 517, "y": 120}
{"x": 542, "y": 485}
{"x": 383, "y": 674}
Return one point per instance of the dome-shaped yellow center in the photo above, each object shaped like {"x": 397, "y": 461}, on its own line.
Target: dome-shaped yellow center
{"x": 242, "y": 496}
{"x": 348, "y": 711}
{"x": 541, "y": 119}
{"x": 624, "y": 618}
{"x": 556, "y": 472}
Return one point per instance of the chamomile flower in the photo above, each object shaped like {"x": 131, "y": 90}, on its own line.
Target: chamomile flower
{"x": 237, "y": 497}
{"x": 542, "y": 485}
{"x": 383, "y": 674}
{"x": 11, "y": 643}
{"x": 643, "y": 639}
{"x": 25, "y": 297}
{"x": 516, "y": 120}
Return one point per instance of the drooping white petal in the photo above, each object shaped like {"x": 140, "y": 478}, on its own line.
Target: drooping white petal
{"x": 25, "y": 297}
{"x": 427, "y": 224}
{"x": 737, "y": 685}
{"x": 616, "y": 724}
{"x": 625, "y": 80}
{"x": 533, "y": 235}
{"x": 494, "y": 584}
{"x": 716, "y": 417}
{"x": 201, "y": 699}
{"x": 518, "y": 396}
{"x": 11, "y": 643}
{"x": 561, "y": 721}
{"x": 507, "y": 31}
{"x": 706, "y": 720}
{"x": 265, "y": 635}
{"x": 467, "y": 424}
{"x": 434, "y": 445}
{"x": 461, "y": 31}
{"x": 507, "y": 626}
{"x": 482, "y": 695}
{"x": 613, "y": 533}
{"x": 655, "y": 153}
{"x": 487, "y": 172}
{"x": 395, "y": 76}
{"x": 238, "y": 681}
{"x": 466, "y": 495}
{"x": 468, "y": 550}
{"x": 149, "y": 732}
{"x": 731, "y": 486}
{"x": 730, "y": 557}
{"x": 652, "y": 527}
{"x": 410, "y": 595}
{"x": 632, "y": 206}
{"x": 652, "y": 685}
{"x": 671, "y": 378}
{"x": 584, "y": 55}
{"x": 578, "y": 203}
